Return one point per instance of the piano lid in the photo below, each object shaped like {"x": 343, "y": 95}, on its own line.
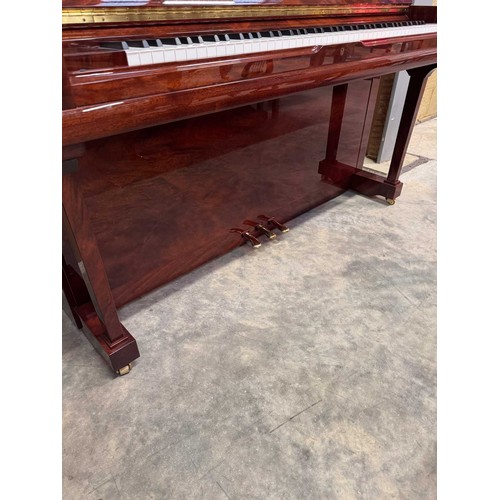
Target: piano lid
{"x": 133, "y": 11}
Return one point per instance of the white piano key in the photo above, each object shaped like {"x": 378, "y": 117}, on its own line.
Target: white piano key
{"x": 221, "y": 49}
{"x": 169, "y": 53}
{"x": 212, "y": 50}
{"x": 201, "y": 52}
{"x": 247, "y": 47}
{"x": 180, "y": 54}
{"x": 190, "y": 52}
{"x": 157, "y": 54}
{"x": 133, "y": 58}
{"x": 146, "y": 57}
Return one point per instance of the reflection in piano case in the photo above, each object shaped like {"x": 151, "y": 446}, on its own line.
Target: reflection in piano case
{"x": 189, "y": 129}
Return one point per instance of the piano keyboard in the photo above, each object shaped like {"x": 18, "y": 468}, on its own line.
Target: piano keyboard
{"x": 178, "y": 49}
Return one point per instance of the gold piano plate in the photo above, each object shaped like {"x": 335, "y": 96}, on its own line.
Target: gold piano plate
{"x": 137, "y": 14}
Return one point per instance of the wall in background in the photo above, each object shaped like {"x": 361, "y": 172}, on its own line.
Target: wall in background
{"x": 428, "y": 106}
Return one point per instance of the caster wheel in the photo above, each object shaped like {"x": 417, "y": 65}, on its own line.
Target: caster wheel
{"x": 124, "y": 370}
{"x": 390, "y": 201}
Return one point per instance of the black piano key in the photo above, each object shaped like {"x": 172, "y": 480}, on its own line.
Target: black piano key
{"x": 114, "y": 45}
{"x": 138, "y": 43}
{"x": 210, "y": 38}
{"x": 170, "y": 41}
{"x": 185, "y": 40}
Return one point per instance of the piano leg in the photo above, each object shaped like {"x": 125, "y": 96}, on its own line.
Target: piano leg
{"x": 418, "y": 77}
{"x": 98, "y": 316}
{"x": 349, "y": 174}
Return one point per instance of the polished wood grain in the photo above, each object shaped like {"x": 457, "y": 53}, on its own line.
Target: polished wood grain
{"x": 345, "y": 173}
{"x": 161, "y": 162}
{"x": 163, "y": 200}
{"x": 161, "y": 3}
{"x": 92, "y": 86}
{"x": 148, "y": 13}
{"x": 91, "y": 36}
{"x": 79, "y": 124}
{"x": 98, "y": 317}
{"x": 418, "y": 77}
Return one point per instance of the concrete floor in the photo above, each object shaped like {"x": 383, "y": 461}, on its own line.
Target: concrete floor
{"x": 305, "y": 369}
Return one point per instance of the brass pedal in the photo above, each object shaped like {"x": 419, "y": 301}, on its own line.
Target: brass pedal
{"x": 259, "y": 227}
{"x": 271, "y": 221}
{"x": 247, "y": 237}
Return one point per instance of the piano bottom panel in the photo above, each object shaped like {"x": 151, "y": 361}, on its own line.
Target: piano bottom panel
{"x": 163, "y": 200}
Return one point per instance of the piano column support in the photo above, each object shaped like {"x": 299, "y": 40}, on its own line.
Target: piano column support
{"x": 353, "y": 177}
{"x": 99, "y": 317}
{"x": 339, "y": 97}
{"x": 416, "y": 86}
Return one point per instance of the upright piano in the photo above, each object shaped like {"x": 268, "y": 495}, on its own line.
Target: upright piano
{"x": 191, "y": 127}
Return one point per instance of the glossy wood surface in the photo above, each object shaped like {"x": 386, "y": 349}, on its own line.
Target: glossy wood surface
{"x": 163, "y": 200}
{"x": 161, "y": 3}
{"x": 149, "y": 12}
{"x": 94, "y": 34}
{"x": 77, "y": 226}
{"x": 160, "y": 163}
{"x": 85, "y": 283}
{"x": 91, "y": 122}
